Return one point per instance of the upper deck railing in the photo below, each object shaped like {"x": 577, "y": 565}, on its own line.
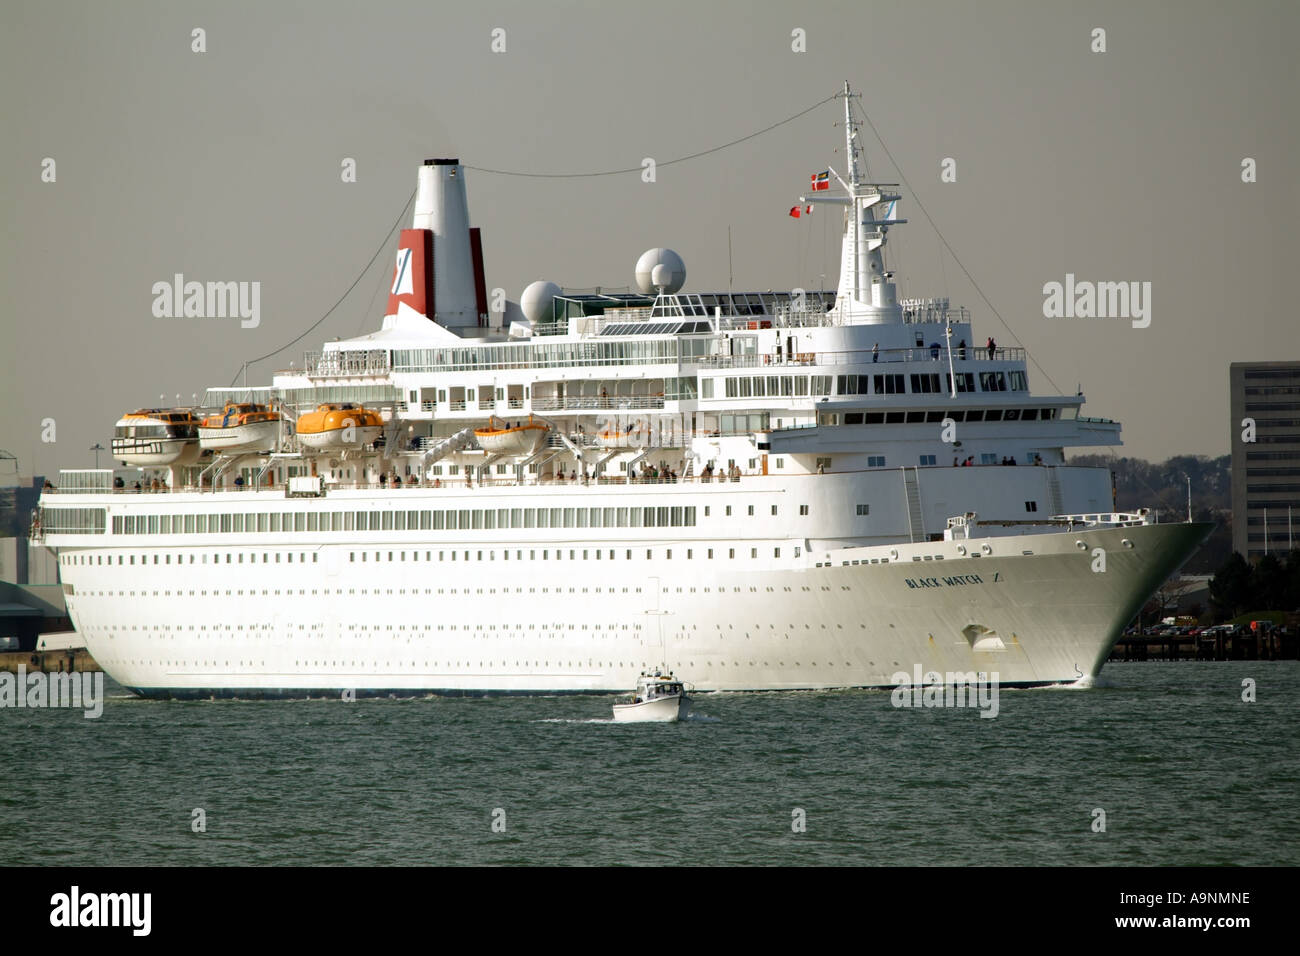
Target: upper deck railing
{"x": 928, "y": 354}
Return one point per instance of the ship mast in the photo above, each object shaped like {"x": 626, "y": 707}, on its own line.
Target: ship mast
{"x": 865, "y": 292}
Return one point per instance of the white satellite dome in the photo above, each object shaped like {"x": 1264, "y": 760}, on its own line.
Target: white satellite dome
{"x": 674, "y": 271}
{"x": 537, "y": 301}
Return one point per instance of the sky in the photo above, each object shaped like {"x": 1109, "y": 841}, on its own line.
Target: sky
{"x": 1122, "y": 164}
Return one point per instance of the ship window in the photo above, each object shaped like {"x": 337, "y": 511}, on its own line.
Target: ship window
{"x": 1031, "y": 505}
{"x": 965, "y": 381}
{"x": 728, "y": 511}
{"x": 1029, "y": 415}
{"x": 988, "y": 459}
{"x": 929, "y": 460}
{"x": 1011, "y": 415}
{"x": 864, "y": 510}
{"x": 352, "y": 556}
{"x": 751, "y": 510}
{"x": 853, "y": 418}
{"x": 915, "y": 417}
{"x": 974, "y": 415}
{"x": 894, "y": 418}
{"x": 731, "y": 552}
{"x": 993, "y": 415}
{"x": 803, "y": 509}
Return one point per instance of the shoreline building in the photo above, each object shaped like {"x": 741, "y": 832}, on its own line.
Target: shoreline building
{"x": 1266, "y": 471}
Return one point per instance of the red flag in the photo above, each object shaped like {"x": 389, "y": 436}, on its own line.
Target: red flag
{"x": 794, "y": 211}
{"x": 821, "y": 180}
{"x": 808, "y": 210}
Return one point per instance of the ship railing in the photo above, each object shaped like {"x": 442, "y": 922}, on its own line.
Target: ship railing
{"x": 927, "y": 354}
{"x": 340, "y": 364}
{"x": 85, "y": 480}
{"x": 607, "y": 403}
{"x": 1125, "y": 519}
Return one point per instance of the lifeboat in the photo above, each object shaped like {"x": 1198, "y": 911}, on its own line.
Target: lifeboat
{"x": 341, "y": 425}
{"x": 151, "y": 437}
{"x": 241, "y": 427}
{"x": 609, "y": 438}
{"x": 635, "y": 436}
{"x": 502, "y": 438}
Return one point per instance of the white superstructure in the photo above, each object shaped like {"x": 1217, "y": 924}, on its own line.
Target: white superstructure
{"x": 760, "y": 490}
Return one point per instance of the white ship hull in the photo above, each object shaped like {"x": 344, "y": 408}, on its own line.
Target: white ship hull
{"x": 323, "y": 620}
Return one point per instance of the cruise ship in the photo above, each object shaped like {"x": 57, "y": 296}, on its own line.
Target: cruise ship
{"x": 759, "y": 491}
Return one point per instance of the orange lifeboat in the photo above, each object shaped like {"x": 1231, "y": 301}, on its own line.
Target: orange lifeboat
{"x": 339, "y": 425}
{"x": 150, "y": 437}
{"x": 241, "y": 427}
{"x": 502, "y": 438}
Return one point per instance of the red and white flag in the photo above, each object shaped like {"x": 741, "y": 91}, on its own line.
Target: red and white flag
{"x": 821, "y": 180}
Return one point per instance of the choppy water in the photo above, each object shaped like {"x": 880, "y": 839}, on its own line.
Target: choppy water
{"x": 1186, "y": 772}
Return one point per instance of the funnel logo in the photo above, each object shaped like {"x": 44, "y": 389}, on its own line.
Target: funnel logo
{"x": 413, "y": 273}
{"x": 402, "y": 281}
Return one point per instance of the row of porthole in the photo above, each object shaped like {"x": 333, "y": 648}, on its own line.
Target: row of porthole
{"x": 568, "y": 664}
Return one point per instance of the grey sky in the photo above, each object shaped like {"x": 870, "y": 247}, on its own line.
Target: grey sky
{"x": 225, "y": 165}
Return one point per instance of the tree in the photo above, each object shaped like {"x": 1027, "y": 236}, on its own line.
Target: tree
{"x": 1232, "y": 587}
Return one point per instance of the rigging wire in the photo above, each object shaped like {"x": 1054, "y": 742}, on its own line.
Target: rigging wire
{"x": 669, "y": 162}
{"x": 919, "y": 205}
{"x": 360, "y": 276}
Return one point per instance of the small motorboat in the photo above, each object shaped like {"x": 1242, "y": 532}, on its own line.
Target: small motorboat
{"x": 519, "y": 441}
{"x": 657, "y": 698}
{"x": 339, "y": 425}
{"x": 241, "y": 427}
{"x": 150, "y": 437}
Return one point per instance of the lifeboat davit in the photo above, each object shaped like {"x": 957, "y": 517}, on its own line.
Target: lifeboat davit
{"x": 502, "y": 438}
{"x": 151, "y": 437}
{"x": 341, "y": 425}
{"x": 241, "y": 427}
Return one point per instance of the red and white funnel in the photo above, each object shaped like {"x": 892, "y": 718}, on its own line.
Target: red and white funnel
{"x": 439, "y": 268}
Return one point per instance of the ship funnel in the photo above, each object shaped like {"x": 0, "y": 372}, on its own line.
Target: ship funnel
{"x": 439, "y": 269}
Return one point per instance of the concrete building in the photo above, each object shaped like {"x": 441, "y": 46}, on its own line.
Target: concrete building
{"x": 1265, "y": 400}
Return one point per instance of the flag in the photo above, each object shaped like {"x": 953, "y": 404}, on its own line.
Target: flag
{"x": 821, "y": 180}
{"x": 797, "y": 212}
{"x": 794, "y": 211}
